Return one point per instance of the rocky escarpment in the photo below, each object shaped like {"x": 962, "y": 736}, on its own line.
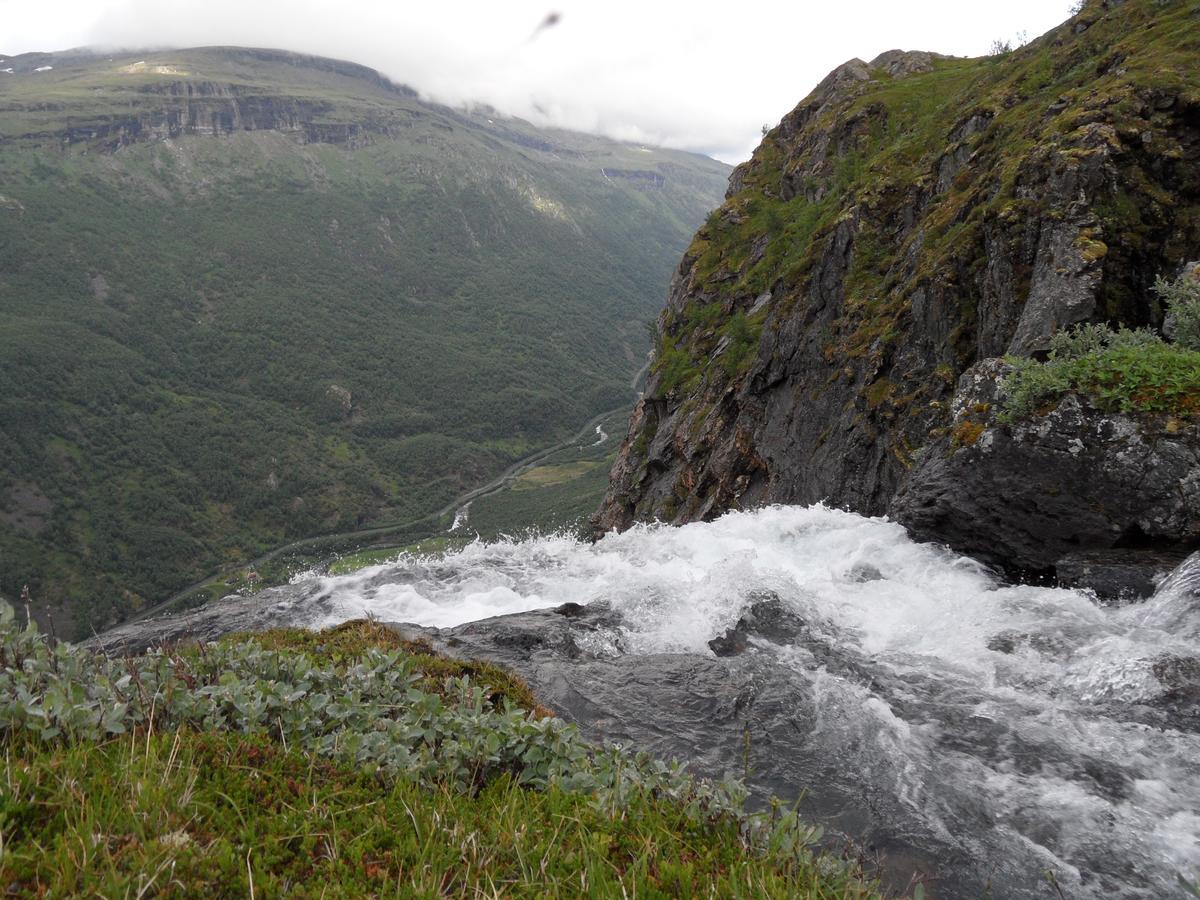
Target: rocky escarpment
{"x": 1069, "y": 491}
{"x": 912, "y": 217}
{"x": 175, "y": 95}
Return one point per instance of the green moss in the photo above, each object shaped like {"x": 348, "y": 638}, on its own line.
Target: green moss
{"x": 879, "y": 393}
{"x": 966, "y": 433}
{"x": 1090, "y": 249}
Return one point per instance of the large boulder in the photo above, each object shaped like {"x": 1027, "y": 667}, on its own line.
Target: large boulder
{"x": 1032, "y": 495}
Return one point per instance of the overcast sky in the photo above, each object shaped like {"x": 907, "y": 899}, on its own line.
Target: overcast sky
{"x": 700, "y": 75}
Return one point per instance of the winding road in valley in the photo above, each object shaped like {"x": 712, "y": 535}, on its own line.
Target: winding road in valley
{"x": 501, "y": 481}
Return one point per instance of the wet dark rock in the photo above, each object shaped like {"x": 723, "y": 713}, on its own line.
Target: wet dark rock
{"x": 1044, "y": 643}
{"x": 744, "y": 716}
{"x": 750, "y": 715}
{"x": 862, "y": 572}
{"x": 286, "y": 606}
{"x": 1029, "y": 494}
{"x": 1115, "y": 576}
{"x": 731, "y": 643}
{"x": 767, "y": 617}
{"x": 1180, "y": 678}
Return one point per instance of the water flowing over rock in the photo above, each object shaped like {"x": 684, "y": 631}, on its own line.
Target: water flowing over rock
{"x": 975, "y": 733}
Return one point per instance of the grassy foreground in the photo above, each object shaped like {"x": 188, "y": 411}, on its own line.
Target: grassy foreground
{"x": 350, "y": 763}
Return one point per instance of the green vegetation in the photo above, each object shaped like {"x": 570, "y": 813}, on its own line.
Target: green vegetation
{"x": 557, "y": 495}
{"x": 555, "y": 506}
{"x": 1125, "y": 370}
{"x": 351, "y": 643}
{"x": 215, "y": 345}
{"x": 547, "y": 476}
{"x": 743, "y": 343}
{"x": 674, "y": 367}
{"x": 1182, "y": 299}
{"x": 362, "y": 558}
{"x": 326, "y": 767}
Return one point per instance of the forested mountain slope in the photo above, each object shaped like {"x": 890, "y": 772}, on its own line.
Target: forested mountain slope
{"x": 248, "y": 295}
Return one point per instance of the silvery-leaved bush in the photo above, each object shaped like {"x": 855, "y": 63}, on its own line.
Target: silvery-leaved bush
{"x": 372, "y": 713}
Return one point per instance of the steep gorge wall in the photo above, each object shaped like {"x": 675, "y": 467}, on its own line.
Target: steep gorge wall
{"x": 914, "y": 216}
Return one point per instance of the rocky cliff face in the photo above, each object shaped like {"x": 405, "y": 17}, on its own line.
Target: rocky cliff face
{"x": 183, "y": 93}
{"x": 912, "y": 217}
{"x": 1065, "y": 491}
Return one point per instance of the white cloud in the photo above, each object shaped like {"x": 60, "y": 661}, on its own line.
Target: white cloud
{"x": 700, "y": 75}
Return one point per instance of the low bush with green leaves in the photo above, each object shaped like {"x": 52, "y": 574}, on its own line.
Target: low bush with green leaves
{"x": 1182, "y": 300}
{"x": 216, "y": 768}
{"x": 1122, "y": 370}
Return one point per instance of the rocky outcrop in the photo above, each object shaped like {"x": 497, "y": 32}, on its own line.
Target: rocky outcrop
{"x": 1030, "y": 495}
{"x": 189, "y": 109}
{"x": 911, "y": 218}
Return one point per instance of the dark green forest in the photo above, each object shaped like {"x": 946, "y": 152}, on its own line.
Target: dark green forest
{"x": 213, "y": 344}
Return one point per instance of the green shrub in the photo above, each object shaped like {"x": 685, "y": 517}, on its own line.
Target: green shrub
{"x": 675, "y": 366}
{"x": 743, "y": 343}
{"x": 1084, "y": 340}
{"x": 1182, "y": 298}
{"x": 1121, "y": 371}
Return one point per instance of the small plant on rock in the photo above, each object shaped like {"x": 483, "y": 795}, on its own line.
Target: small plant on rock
{"x": 1182, "y": 299}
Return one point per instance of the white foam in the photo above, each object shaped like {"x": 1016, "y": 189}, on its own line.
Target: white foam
{"x": 1045, "y": 665}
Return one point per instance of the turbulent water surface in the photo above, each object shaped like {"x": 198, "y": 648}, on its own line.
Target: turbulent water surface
{"x": 1004, "y": 720}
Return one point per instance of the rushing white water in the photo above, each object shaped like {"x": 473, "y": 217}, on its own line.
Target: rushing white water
{"x": 460, "y": 517}
{"x": 1036, "y": 708}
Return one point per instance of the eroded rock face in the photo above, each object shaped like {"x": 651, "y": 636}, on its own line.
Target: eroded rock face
{"x": 183, "y": 103}
{"x": 1033, "y": 494}
{"x": 873, "y": 279}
